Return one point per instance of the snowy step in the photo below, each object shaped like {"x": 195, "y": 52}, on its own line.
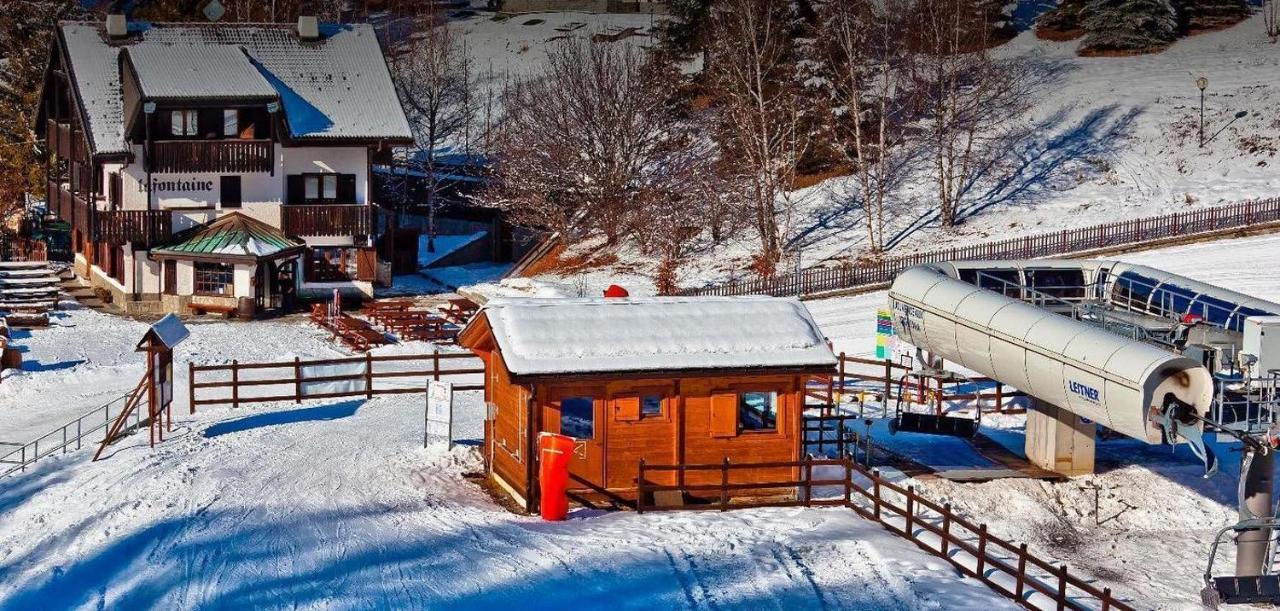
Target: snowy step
{"x": 49, "y": 280}
{"x": 26, "y": 273}
{"x": 27, "y": 306}
{"x": 12, "y": 265}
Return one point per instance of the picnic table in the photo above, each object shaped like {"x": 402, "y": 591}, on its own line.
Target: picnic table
{"x": 358, "y": 334}
{"x": 375, "y": 310}
{"x": 460, "y": 310}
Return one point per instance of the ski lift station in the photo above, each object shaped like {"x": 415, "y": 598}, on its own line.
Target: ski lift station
{"x": 1148, "y": 354}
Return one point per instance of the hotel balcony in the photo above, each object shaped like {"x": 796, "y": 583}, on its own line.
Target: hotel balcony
{"x": 148, "y": 227}
{"x": 332, "y": 219}
{"x": 231, "y": 156}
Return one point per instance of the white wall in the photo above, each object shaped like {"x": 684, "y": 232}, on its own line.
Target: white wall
{"x": 261, "y": 192}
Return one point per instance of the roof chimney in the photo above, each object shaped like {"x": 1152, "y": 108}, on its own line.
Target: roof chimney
{"x": 308, "y": 27}
{"x": 117, "y": 26}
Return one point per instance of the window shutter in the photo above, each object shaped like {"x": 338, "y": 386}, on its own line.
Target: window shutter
{"x": 627, "y": 408}
{"x": 346, "y": 188}
{"x": 293, "y": 189}
{"x": 366, "y": 264}
{"x": 724, "y": 414}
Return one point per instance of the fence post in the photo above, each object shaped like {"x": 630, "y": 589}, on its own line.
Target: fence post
{"x": 1062, "y": 587}
{"x": 191, "y": 386}
{"x": 297, "y": 380}
{"x": 435, "y": 364}
{"x": 888, "y": 385}
{"x": 1106, "y": 599}
{"x": 848, "y": 479}
{"x": 235, "y": 383}
{"x": 946, "y": 528}
{"x": 875, "y": 495}
{"x": 1022, "y": 570}
{"x": 982, "y": 550}
{"x": 724, "y": 485}
{"x": 368, "y": 375}
{"x": 911, "y": 509}
{"x": 808, "y": 481}
{"x": 640, "y": 488}
{"x": 999, "y": 398}
{"x": 842, "y": 373}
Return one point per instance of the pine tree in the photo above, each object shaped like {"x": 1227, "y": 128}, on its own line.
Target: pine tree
{"x": 1200, "y": 15}
{"x": 685, "y": 31}
{"x": 1062, "y": 22}
{"x": 1128, "y": 26}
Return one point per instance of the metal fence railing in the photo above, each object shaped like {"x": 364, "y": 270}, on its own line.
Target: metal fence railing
{"x": 67, "y": 437}
{"x": 1136, "y": 232}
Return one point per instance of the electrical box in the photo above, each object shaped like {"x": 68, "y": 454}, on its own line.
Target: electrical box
{"x": 1262, "y": 341}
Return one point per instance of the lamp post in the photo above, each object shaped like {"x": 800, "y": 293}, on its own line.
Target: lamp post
{"x": 1202, "y": 83}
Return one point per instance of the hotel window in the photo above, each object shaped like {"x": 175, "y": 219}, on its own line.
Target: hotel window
{"x": 231, "y": 123}
{"x": 321, "y": 189}
{"x": 215, "y": 279}
{"x": 184, "y": 123}
{"x": 330, "y": 264}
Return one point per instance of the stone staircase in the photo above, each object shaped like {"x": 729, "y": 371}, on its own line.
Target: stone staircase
{"x": 75, "y": 288}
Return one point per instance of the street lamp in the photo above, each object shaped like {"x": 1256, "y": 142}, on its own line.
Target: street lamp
{"x": 1202, "y": 83}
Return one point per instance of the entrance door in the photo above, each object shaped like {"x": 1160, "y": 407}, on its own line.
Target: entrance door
{"x": 580, "y": 415}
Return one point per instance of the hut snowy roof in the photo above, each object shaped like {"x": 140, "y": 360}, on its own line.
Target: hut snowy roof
{"x": 585, "y": 336}
{"x": 232, "y": 235}
{"x": 197, "y": 72}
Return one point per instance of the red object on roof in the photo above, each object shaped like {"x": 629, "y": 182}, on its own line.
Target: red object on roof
{"x": 1191, "y": 319}
{"x": 615, "y": 291}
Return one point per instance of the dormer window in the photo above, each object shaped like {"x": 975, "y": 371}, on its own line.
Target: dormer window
{"x": 184, "y": 123}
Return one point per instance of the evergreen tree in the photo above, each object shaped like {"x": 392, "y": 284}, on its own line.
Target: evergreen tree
{"x": 685, "y": 32}
{"x": 1199, "y": 15}
{"x": 1128, "y": 26}
{"x": 1062, "y": 22}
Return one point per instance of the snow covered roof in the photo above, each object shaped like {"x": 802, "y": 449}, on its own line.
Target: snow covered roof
{"x": 169, "y": 330}
{"x": 338, "y": 87}
{"x": 577, "y": 336}
{"x": 184, "y": 72}
{"x": 233, "y": 235}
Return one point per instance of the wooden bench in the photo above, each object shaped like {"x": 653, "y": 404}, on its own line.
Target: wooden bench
{"x": 226, "y": 311}
{"x": 357, "y": 333}
{"x": 376, "y": 310}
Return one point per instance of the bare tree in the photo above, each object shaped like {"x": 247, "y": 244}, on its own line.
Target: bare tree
{"x": 589, "y": 142}
{"x": 1271, "y": 18}
{"x": 751, "y": 72}
{"x": 433, "y": 78}
{"x": 969, "y": 97}
{"x": 869, "y": 63}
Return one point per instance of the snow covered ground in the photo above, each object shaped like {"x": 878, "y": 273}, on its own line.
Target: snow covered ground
{"x": 334, "y": 504}
{"x": 1156, "y": 514}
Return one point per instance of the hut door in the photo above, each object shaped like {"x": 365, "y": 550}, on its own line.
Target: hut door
{"x": 580, "y": 415}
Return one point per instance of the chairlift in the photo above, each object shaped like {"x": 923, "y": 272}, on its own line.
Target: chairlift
{"x": 1250, "y": 589}
{"x": 935, "y": 423}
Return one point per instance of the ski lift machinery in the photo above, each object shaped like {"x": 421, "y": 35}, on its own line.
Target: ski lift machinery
{"x": 1113, "y": 343}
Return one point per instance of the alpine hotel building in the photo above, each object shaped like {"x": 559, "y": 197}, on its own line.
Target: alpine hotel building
{"x": 219, "y": 167}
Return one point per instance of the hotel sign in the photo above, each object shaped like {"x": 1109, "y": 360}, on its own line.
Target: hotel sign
{"x": 186, "y": 186}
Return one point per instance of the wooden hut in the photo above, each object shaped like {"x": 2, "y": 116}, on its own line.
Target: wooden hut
{"x": 686, "y": 380}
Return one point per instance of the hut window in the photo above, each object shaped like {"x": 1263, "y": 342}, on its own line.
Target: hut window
{"x": 758, "y": 411}
{"x": 578, "y": 417}
{"x": 650, "y": 406}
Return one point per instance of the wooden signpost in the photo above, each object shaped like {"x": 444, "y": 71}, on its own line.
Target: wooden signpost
{"x": 156, "y": 384}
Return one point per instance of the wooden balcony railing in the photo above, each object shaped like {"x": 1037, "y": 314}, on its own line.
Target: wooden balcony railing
{"x": 147, "y": 227}
{"x": 62, "y": 140}
{"x": 329, "y": 219}
{"x": 231, "y": 156}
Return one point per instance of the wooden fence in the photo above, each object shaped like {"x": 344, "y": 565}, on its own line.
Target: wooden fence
{"x": 238, "y": 383}
{"x": 1008, "y": 568}
{"x": 879, "y": 378}
{"x": 1241, "y": 215}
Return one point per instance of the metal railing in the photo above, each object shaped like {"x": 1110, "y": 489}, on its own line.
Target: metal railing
{"x": 1150, "y": 230}
{"x": 68, "y": 437}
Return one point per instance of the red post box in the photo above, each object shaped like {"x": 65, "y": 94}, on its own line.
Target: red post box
{"x": 553, "y": 474}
